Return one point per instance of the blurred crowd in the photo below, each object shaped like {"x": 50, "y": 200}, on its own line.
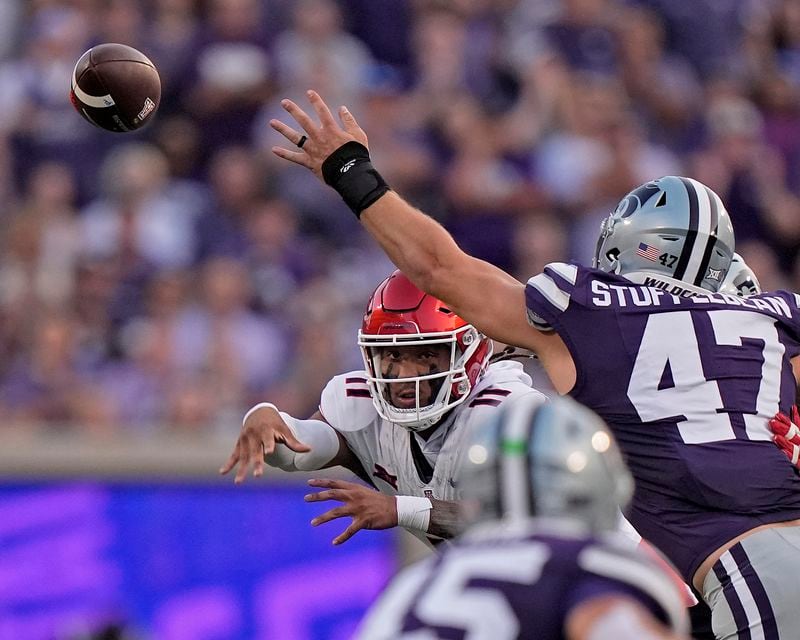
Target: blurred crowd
{"x": 170, "y": 278}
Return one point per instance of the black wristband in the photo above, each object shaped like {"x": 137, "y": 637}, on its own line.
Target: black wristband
{"x": 350, "y": 172}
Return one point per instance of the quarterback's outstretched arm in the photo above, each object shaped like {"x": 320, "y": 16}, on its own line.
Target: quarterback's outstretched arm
{"x": 479, "y": 292}
{"x": 280, "y": 440}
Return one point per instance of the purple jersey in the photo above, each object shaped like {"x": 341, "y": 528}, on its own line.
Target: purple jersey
{"x": 497, "y": 583}
{"x": 687, "y": 382}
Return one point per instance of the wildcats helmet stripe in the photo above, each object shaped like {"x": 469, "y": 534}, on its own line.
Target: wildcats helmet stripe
{"x": 691, "y": 232}
{"x": 516, "y": 499}
{"x": 711, "y": 242}
{"x": 701, "y": 237}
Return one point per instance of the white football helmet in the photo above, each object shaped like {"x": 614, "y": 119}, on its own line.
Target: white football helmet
{"x": 555, "y": 460}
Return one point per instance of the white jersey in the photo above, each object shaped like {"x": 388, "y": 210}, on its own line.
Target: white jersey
{"x": 385, "y": 449}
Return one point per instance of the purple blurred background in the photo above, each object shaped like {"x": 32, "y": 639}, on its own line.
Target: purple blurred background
{"x": 178, "y": 561}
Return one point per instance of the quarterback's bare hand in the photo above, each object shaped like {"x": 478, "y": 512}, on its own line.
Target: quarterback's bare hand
{"x": 263, "y": 430}
{"x": 787, "y": 435}
{"x": 368, "y": 508}
{"x": 321, "y": 139}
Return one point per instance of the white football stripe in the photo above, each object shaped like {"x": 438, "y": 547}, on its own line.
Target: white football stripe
{"x": 99, "y": 102}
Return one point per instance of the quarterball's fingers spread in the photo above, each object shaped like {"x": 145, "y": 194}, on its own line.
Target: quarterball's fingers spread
{"x": 323, "y": 113}
{"x": 348, "y": 533}
{"x": 332, "y": 514}
{"x": 252, "y": 450}
{"x": 321, "y": 496}
{"x": 232, "y": 460}
{"x": 262, "y": 448}
{"x": 241, "y": 472}
{"x": 330, "y": 483}
{"x": 258, "y": 467}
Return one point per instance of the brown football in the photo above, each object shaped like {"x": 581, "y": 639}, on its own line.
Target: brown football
{"x": 115, "y": 87}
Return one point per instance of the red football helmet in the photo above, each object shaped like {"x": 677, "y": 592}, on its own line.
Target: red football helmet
{"x": 400, "y": 314}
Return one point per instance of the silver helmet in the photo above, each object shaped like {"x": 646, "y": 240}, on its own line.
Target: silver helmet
{"x": 675, "y": 227}
{"x": 555, "y": 460}
{"x": 741, "y": 280}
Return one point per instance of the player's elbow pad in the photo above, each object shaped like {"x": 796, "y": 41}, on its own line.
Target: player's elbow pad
{"x": 318, "y": 435}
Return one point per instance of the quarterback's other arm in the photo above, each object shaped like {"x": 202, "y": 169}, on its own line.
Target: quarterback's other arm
{"x": 479, "y": 292}
{"x": 370, "y": 509}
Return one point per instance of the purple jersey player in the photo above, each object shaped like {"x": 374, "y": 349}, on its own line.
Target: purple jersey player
{"x": 542, "y": 559}
{"x": 686, "y": 378}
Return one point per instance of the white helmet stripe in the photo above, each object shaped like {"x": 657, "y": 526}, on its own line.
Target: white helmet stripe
{"x": 711, "y": 243}
{"x": 695, "y": 268}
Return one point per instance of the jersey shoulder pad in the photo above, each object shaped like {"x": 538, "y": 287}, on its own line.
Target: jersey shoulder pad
{"x": 548, "y": 294}
{"x": 505, "y": 372}
{"x": 346, "y": 402}
{"x": 502, "y": 382}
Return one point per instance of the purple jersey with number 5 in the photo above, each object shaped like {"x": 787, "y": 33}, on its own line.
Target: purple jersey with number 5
{"x": 688, "y": 383}
{"x": 496, "y": 583}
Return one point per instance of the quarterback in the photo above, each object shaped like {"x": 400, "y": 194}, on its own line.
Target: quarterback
{"x": 398, "y": 424}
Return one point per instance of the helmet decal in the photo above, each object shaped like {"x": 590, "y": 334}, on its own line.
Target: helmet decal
{"x": 637, "y": 198}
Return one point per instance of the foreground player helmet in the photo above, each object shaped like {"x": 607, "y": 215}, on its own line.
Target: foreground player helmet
{"x": 741, "y": 280}
{"x": 400, "y": 314}
{"x": 676, "y": 227}
{"x": 555, "y": 460}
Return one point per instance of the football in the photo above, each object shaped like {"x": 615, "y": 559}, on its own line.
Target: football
{"x": 115, "y": 87}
